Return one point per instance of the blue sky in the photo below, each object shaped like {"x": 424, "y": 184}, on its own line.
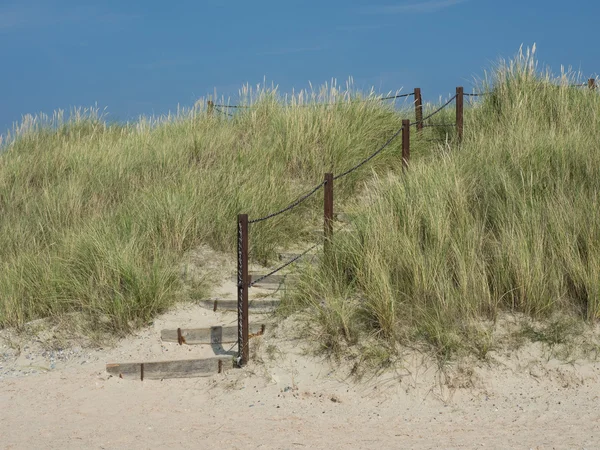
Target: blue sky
{"x": 145, "y": 57}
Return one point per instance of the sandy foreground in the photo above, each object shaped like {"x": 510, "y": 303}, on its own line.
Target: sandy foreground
{"x": 62, "y": 398}
{"x": 288, "y": 400}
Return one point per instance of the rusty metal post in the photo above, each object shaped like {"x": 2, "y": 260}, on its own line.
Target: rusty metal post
{"x": 209, "y": 107}
{"x": 328, "y": 214}
{"x": 418, "y": 109}
{"x": 459, "y": 112}
{"x": 405, "y": 144}
{"x": 592, "y": 83}
{"x": 242, "y": 285}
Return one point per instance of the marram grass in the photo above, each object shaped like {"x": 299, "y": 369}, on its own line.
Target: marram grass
{"x": 96, "y": 217}
{"x": 509, "y": 221}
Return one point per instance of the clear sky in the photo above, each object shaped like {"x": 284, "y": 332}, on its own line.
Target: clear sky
{"x": 145, "y": 57}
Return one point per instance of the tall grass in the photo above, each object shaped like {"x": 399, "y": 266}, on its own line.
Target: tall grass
{"x": 95, "y": 217}
{"x": 507, "y": 221}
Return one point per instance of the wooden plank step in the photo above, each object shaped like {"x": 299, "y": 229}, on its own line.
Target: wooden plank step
{"x": 186, "y": 368}
{"x": 254, "y": 306}
{"x": 212, "y": 335}
{"x": 271, "y": 279}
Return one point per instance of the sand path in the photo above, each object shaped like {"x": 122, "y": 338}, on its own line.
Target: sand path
{"x": 286, "y": 399}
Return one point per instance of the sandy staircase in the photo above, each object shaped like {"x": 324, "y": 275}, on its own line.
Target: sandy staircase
{"x": 212, "y": 339}
{"x": 215, "y": 339}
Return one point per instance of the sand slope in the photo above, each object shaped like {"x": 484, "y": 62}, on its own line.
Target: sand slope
{"x": 289, "y": 400}
{"x": 62, "y": 398}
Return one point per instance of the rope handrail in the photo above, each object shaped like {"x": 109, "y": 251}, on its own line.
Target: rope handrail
{"x": 283, "y": 266}
{"x": 466, "y": 94}
{"x": 308, "y": 105}
{"x": 243, "y": 222}
{"x": 343, "y": 174}
{"x": 436, "y": 111}
{"x": 394, "y": 136}
{"x": 323, "y": 104}
{"x": 364, "y": 161}
{"x": 223, "y": 112}
{"x": 394, "y": 96}
{"x": 231, "y": 106}
{"x": 290, "y": 206}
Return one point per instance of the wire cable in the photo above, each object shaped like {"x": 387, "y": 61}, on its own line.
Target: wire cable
{"x": 435, "y": 112}
{"x": 364, "y": 161}
{"x": 343, "y": 174}
{"x": 291, "y": 261}
{"x": 223, "y": 112}
{"x": 395, "y": 96}
{"x": 323, "y": 104}
{"x": 232, "y": 106}
{"x": 290, "y": 206}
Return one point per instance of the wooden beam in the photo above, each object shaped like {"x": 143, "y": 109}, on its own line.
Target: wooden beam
{"x": 405, "y": 144}
{"x": 459, "y": 112}
{"x": 212, "y": 335}
{"x": 272, "y": 279}
{"x": 271, "y": 287}
{"x": 418, "y": 109}
{"x": 328, "y": 215}
{"x": 256, "y": 306}
{"x": 243, "y": 284}
{"x": 158, "y": 370}
{"x": 592, "y": 83}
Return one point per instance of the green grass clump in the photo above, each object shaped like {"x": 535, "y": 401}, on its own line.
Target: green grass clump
{"x": 96, "y": 217}
{"x": 507, "y": 221}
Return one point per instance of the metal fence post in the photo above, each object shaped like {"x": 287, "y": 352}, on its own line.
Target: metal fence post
{"x": 592, "y": 83}
{"x": 405, "y": 143}
{"x": 418, "y": 109}
{"x": 459, "y": 112}
{"x": 328, "y": 214}
{"x": 209, "y": 107}
{"x": 242, "y": 285}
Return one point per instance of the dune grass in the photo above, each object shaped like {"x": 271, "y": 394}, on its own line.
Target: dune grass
{"x": 96, "y": 217}
{"x": 507, "y": 221}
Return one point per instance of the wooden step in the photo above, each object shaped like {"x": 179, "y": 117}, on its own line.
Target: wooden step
{"x": 212, "y": 335}
{"x": 271, "y": 279}
{"x": 254, "y": 306}
{"x": 186, "y": 368}
{"x": 271, "y": 287}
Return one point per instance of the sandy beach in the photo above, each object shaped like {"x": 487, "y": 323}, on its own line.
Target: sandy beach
{"x": 287, "y": 399}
